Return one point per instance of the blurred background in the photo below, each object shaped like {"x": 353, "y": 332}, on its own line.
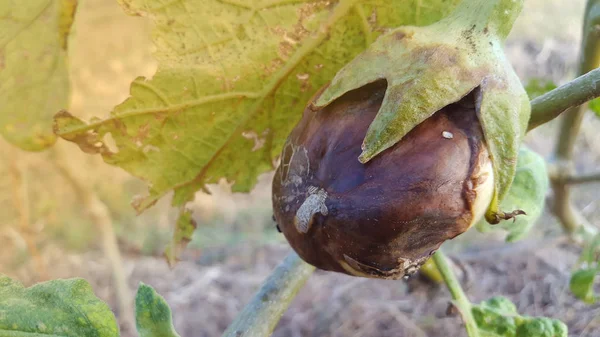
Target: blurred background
{"x": 48, "y": 229}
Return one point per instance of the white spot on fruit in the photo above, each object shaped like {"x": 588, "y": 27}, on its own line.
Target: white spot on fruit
{"x": 313, "y": 204}
{"x": 447, "y": 135}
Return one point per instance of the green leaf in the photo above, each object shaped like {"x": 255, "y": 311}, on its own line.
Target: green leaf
{"x": 594, "y": 105}
{"x": 537, "y": 87}
{"x": 582, "y": 285}
{"x": 34, "y": 82}
{"x": 54, "y": 308}
{"x": 582, "y": 280}
{"x": 527, "y": 193}
{"x": 495, "y": 317}
{"x": 233, "y": 79}
{"x": 152, "y": 314}
{"x": 542, "y": 327}
{"x": 498, "y": 317}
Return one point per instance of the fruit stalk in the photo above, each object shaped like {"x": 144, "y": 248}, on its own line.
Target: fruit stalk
{"x": 260, "y": 316}
{"x": 460, "y": 298}
{"x": 564, "y": 99}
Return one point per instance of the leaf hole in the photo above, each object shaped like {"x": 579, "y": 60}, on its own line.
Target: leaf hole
{"x": 110, "y": 143}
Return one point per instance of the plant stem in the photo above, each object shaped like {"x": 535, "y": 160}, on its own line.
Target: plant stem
{"x": 260, "y": 316}
{"x": 584, "y": 178}
{"x": 460, "y": 299}
{"x": 562, "y": 99}
{"x": 566, "y": 212}
{"x": 21, "y": 203}
{"x": 554, "y": 174}
{"x": 100, "y": 217}
{"x": 431, "y": 271}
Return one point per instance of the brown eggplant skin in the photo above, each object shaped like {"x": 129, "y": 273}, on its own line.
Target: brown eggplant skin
{"x": 385, "y": 218}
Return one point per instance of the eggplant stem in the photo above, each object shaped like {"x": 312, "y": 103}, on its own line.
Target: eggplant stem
{"x": 461, "y": 301}
{"x": 566, "y": 98}
{"x": 261, "y": 315}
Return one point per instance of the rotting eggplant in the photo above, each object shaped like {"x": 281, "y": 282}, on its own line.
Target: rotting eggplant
{"x": 384, "y": 218}
{"x": 408, "y": 146}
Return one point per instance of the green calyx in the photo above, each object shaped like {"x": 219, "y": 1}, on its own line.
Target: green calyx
{"x": 428, "y": 68}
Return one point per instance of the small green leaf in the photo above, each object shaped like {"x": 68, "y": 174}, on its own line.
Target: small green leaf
{"x": 582, "y": 279}
{"x": 542, "y": 327}
{"x": 66, "y": 308}
{"x": 582, "y": 285}
{"x": 495, "y": 317}
{"x": 34, "y": 82}
{"x": 594, "y": 105}
{"x": 152, "y": 314}
{"x": 537, "y": 87}
{"x": 527, "y": 193}
{"x": 498, "y": 317}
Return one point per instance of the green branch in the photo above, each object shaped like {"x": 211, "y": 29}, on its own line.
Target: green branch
{"x": 555, "y": 174}
{"x": 260, "y": 316}
{"x": 583, "y": 179}
{"x": 573, "y": 94}
{"x": 460, "y": 299}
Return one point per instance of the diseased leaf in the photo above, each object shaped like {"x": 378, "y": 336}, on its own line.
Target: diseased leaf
{"x": 498, "y": 317}
{"x": 527, "y": 193}
{"x": 152, "y": 314}
{"x": 233, "y": 79}
{"x": 55, "y": 308}
{"x": 537, "y": 87}
{"x": 182, "y": 235}
{"x": 582, "y": 285}
{"x": 34, "y": 82}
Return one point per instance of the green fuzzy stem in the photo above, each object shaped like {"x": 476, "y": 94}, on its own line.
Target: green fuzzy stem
{"x": 495, "y": 16}
{"x": 260, "y": 316}
{"x": 431, "y": 271}
{"x": 460, "y": 299}
{"x": 564, "y": 99}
